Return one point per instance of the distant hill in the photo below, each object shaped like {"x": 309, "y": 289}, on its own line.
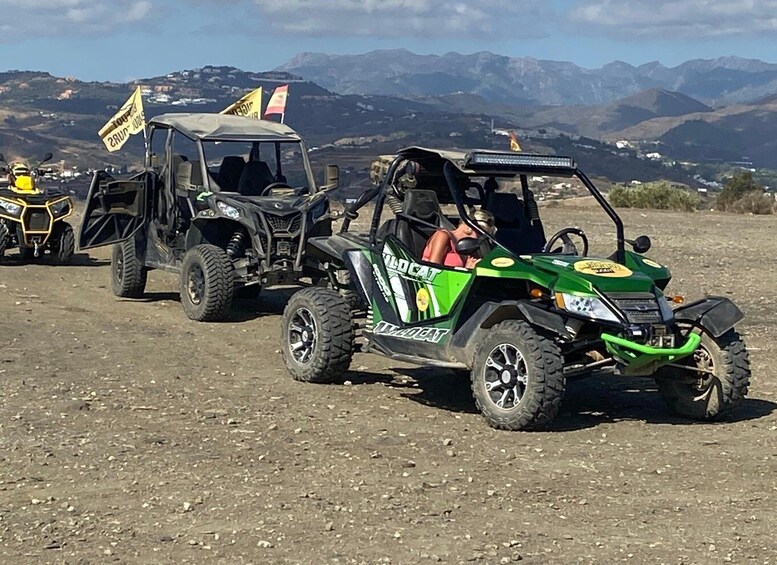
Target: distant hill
{"x": 599, "y": 121}
{"x": 448, "y": 101}
{"x": 519, "y": 81}
{"x": 740, "y": 132}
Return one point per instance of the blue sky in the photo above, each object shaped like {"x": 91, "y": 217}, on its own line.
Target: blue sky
{"x": 123, "y": 39}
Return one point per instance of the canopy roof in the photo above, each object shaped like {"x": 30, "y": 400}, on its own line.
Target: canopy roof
{"x": 225, "y": 127}
{"x": 476, "y": 161}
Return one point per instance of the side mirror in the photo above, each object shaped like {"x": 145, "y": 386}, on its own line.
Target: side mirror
{"x": 468, "y": 246}
{"x": 640, "y": 245}
{"x": 47, "y": 157}
{"x": 332, "y": 177}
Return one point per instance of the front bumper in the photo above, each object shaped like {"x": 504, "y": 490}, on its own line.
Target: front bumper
{"x": 642, "y": 360}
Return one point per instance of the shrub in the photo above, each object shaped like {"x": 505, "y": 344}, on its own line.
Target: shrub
{"x": 736, "y": 188}
{"x": 658, "y": 196}
{"x": 755, "y": 202}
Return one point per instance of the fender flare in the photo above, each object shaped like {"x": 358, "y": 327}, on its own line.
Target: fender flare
{"x": 491, "y": 313}
{"x": 716, "y": 314}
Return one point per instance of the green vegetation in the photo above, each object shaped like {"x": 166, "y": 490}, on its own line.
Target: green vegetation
{"x": 656, "y": 195}
{"x": 743, "y": 195}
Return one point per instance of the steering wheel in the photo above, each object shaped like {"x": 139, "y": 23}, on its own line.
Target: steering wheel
{"x": 273, "y": 185}
{"x": 568, "y": 248}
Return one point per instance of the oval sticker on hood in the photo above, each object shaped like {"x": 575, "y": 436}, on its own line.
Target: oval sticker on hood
{"x": 602, "y": 268}
{"x": 503, "y": 262}
{"x": 650, "y": 263}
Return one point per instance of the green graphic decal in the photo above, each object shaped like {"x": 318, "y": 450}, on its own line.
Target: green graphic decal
{"x": 412, "y": 270}
{"x": 422, "y": 292}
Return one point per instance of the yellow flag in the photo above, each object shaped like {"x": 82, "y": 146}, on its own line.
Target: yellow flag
{"x": 129, "y": 120}
{"x": 514, "y": 145}
{"x": 249, "y": 105}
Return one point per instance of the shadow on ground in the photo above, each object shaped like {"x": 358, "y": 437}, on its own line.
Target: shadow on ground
{"x": 270, "y": 303}
{"x": 587, "y": 403}
{"x": 78, "y": 260}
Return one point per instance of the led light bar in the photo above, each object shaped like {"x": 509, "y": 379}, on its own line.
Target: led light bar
{"x": 519, "y": 160}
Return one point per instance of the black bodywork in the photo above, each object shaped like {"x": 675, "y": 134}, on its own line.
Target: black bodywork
{"x": 180, "y": 201}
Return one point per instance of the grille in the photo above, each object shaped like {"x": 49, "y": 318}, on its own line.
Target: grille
{"x": 640, "y": 308}
{"x": 285, "y": 223}
{"x": 37, "y": 221}
{"x": 282, "y": 247}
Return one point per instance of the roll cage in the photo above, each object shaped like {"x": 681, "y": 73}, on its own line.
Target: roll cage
{"x": 212, "y": 129}
{"x": 456, "y": 168}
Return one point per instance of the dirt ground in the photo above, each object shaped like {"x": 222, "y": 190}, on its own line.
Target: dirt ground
{"x": 130, "y": 434}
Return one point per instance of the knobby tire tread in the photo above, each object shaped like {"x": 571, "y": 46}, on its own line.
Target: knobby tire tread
{"x": 334, "y": 349}
{"x": 219, "y": 283}
{"x": 133, "y": 282}
{"x": 542, "y": 399}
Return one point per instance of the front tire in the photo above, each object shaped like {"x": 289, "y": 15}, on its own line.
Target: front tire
{"x": 207, "y": 283}
{"x": 5, "y": 236}
{"x": 128, "y": 275}
{"x": 64, "y": 243}
{"x": 317, "y": 337}
{"x": 719, "y": 384}
{"x": 517, "y": 377}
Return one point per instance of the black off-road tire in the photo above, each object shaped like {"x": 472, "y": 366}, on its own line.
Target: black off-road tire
{"x": 331, "y": 341}
{"x": 542, "y": 390}
{"x": 207, "y": 283}
{"x": 128, "y": 275}
{"x": 708, "y": 397}
{"x": 352, "y": 298}
{"x": 64, "y": 243}
{"x": 5, "y": 236}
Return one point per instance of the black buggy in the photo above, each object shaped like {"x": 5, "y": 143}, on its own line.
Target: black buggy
{"x": 226, "y": 201}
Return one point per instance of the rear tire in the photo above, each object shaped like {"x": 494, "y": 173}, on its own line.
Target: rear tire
{"x": 317, "y": 336}
{"x": 64, "y": 243}
{"x": 128, "y": 275}
{"x": 207, "y": 283}
{"x": 517, "y": 377}
{"x": 704, "y": 396}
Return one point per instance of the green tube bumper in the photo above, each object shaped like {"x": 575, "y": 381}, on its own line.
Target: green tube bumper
{"x": 643, "y": 359}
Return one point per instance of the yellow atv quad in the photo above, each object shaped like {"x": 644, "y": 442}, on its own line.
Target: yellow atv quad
{"x": 33, "y": 219}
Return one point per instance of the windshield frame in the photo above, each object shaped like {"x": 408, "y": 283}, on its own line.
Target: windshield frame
{"x": 213, "y": 186}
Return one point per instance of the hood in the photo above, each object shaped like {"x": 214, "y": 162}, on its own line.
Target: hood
{"x": 577, "y": 274}
{"x": 280, "y": 206}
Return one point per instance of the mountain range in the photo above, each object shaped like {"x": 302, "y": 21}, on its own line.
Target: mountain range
{"x": 351, "y": 108}
{"x": 519, "y": 81}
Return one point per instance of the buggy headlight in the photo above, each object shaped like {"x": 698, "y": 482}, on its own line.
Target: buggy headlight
{"x": 588, "y": 306}
{"x": 10, "y": 208}
{"x": 228, "y": 211}
{"x": 60, "y": 208}
{"x": 667, "y": 314}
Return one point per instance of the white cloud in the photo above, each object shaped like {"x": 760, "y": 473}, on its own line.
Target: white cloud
{"x": 23, "y": 19}
{"x": 402, "y": 18}
{"x": 687, "y": 19}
